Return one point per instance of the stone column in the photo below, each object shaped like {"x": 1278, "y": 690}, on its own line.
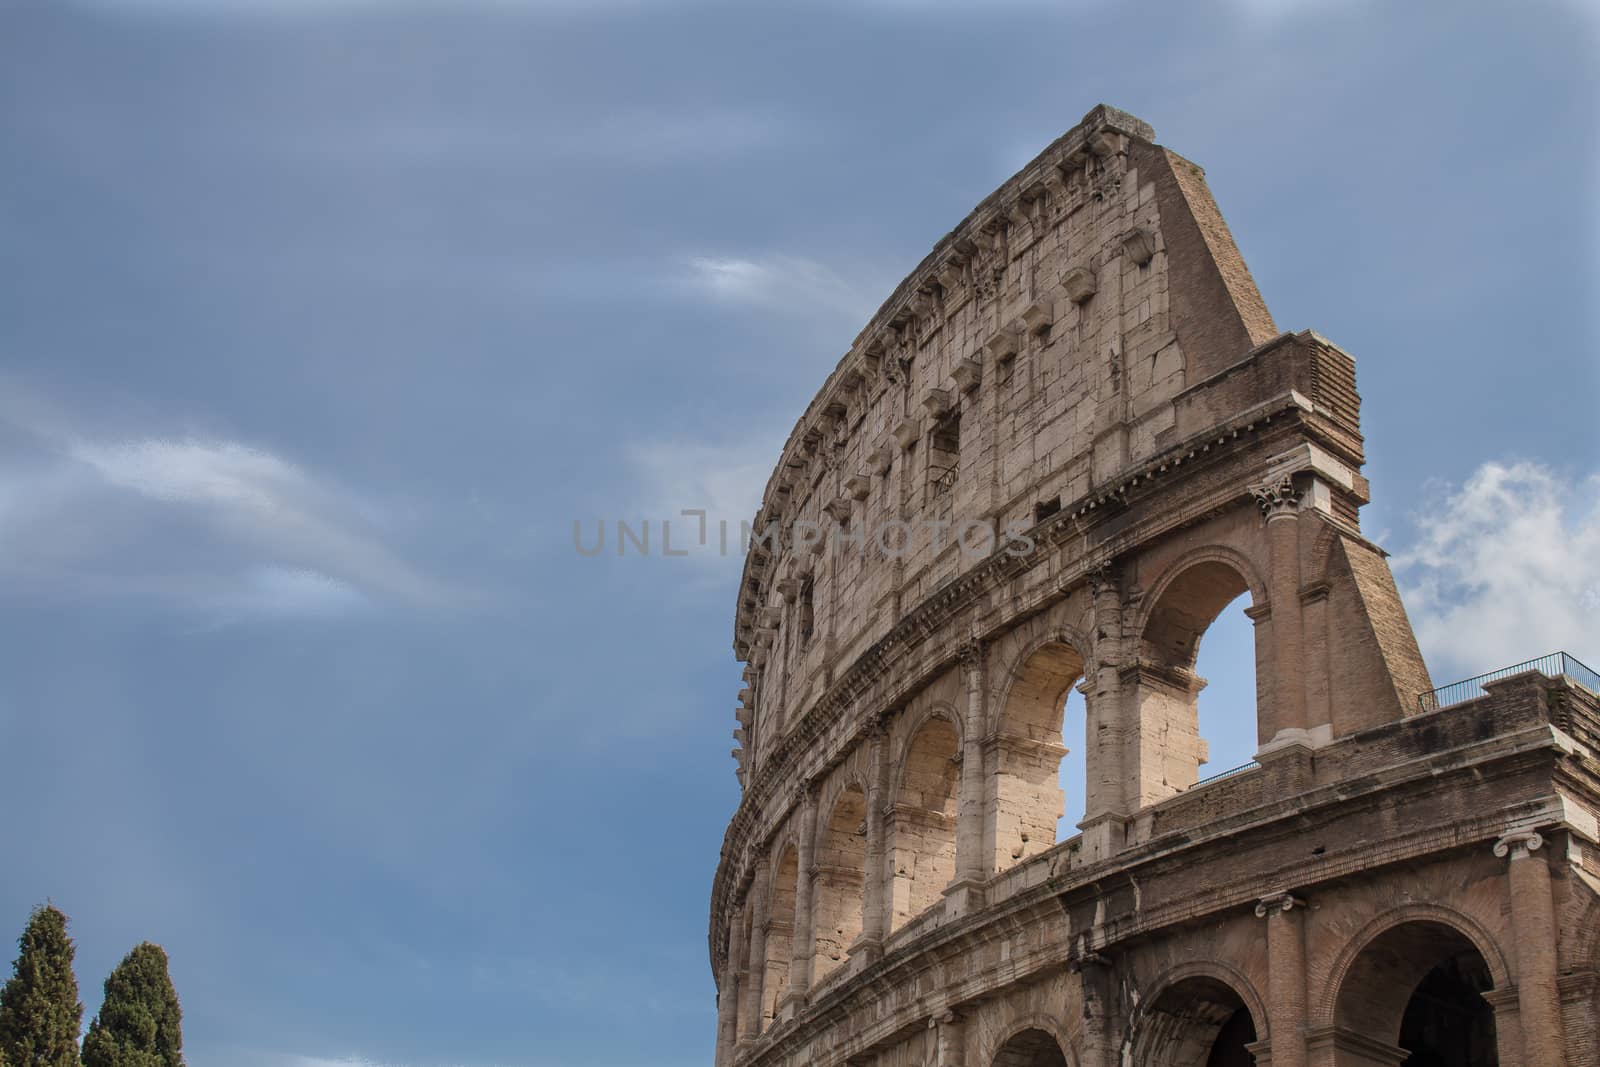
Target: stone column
{"x": 758, "y": 900}
{"x": 1279, "y": 501}
{"x": 1097, "y": 985}
{"x": 876, "y": 880}
{"x": 1105, "y": 799}
{"x": 804, "y": 937}
{"x": 1286, "y": 977}
{"x": 729, "y": 995}
{"x": 949, "y": 1039}
{"x": 1534, "y": 927}
{"x": 973, "y": 864}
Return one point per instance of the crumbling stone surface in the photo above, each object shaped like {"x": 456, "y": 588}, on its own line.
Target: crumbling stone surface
{"x": 1082, "y": 381}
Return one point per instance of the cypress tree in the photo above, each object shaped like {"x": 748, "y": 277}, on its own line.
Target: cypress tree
{"x": 39, "y": 1008}
{"x": 140, "y": 1023}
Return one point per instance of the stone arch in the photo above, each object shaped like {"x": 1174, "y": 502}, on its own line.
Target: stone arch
{"x": 1412, "y": 987}
{"x": 1323, "y": 1006}
{"x": 1028, "y": 638}
{"x": 780, "y": 931}
{"x": 1027, "y": 747}
{"x": 1208, "y": 561}
{"x": 839, "y": 879}
{"x": 844, "y": 778}
{"x": 1034, "y": 1041}
{"x": 1201, "y": 1014}
{"x": 923, "y": 814}
{"x": 912, "y": 722}
{"x": 1161, "y": 688}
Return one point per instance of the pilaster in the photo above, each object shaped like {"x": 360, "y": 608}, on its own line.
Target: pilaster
{"x": 1536, "y": 936}
{"x": 973, "y": 864}
{"x": 1286, "y": 977}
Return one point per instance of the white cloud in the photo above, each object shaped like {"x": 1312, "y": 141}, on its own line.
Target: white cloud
{"x": 788, "y": 284}
{"x": 217, "y": 527}
{"x": 1506, "y": 567}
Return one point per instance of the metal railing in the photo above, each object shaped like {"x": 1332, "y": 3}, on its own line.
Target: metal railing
{"x": 1555, "y": 665}
{"x": 1229, "y": 773}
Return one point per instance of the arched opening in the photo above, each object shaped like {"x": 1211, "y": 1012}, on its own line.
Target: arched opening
{"x": 1030, "y": 1048}
{"x": 1029, "y": 800}
{"x": 839, "y": 882}
{"x": 923, "y": 822}
{"x": 1419, "y": 987}
{"x": 1198, "y": 1022}
{"x": 1163, "y": 692}
{"x": 780, "y": 935}
{"x": 1226, "y": 707}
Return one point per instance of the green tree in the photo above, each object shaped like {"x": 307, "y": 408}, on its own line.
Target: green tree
{"x": 39, "y": 1008}
{"x": 140, "y": 1023}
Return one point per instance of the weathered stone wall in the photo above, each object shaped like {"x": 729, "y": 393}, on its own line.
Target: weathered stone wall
{"x": 1085, "y": 367}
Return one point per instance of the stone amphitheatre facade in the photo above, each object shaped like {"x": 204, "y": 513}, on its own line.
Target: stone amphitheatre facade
{"x": 1068, "y": 439}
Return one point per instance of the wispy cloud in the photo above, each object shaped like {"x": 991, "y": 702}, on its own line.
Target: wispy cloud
{"x": 723, "y": 480}
{"x": 314, "y": 7}
{"x": 1506, "y": 566}
{"x": 779, "y": 283}
{"x": 229, "y": 530}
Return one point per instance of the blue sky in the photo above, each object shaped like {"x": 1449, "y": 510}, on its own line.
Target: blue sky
{"x": 322, "y": 320}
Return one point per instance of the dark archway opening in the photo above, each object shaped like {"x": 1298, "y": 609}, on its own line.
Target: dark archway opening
{"x": 1031, "y": 1048}
{"x": 1447, "y": 1022}
{"x": 1198, "y": 1022}
{"x": 1230, "y": 1049}
{"x": 1419, "y": 987}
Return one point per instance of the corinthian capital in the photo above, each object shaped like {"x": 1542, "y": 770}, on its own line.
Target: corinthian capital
{"x": 1277, "y": 497}
{"x": 971, "y": 655}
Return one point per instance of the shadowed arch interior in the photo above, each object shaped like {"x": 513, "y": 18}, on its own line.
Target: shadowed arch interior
{"x": 839, "y": 881}
{"x": 1030, "y": 1048}
{"x": 1028, "y": 799}
{"x": 1198, "y": 1022}
{"x": 1188, "y": 606}
{"x": 1419, "y": 986}
{"x": 923, "y": 821}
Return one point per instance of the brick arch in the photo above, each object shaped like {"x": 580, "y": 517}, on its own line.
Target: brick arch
{"x": 1588, "y": 939}
{"x": 1324, "y": 1005}
{"x": 1040, "y": 1021}
{"x": 1228, "y": 975}
{"x": 1158, "y": 1036}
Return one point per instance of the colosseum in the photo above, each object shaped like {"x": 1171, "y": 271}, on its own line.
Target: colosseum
{"x": 1067, "y": 440}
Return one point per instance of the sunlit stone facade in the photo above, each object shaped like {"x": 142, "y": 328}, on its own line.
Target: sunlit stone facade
{"x": 1067, "y": 440}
